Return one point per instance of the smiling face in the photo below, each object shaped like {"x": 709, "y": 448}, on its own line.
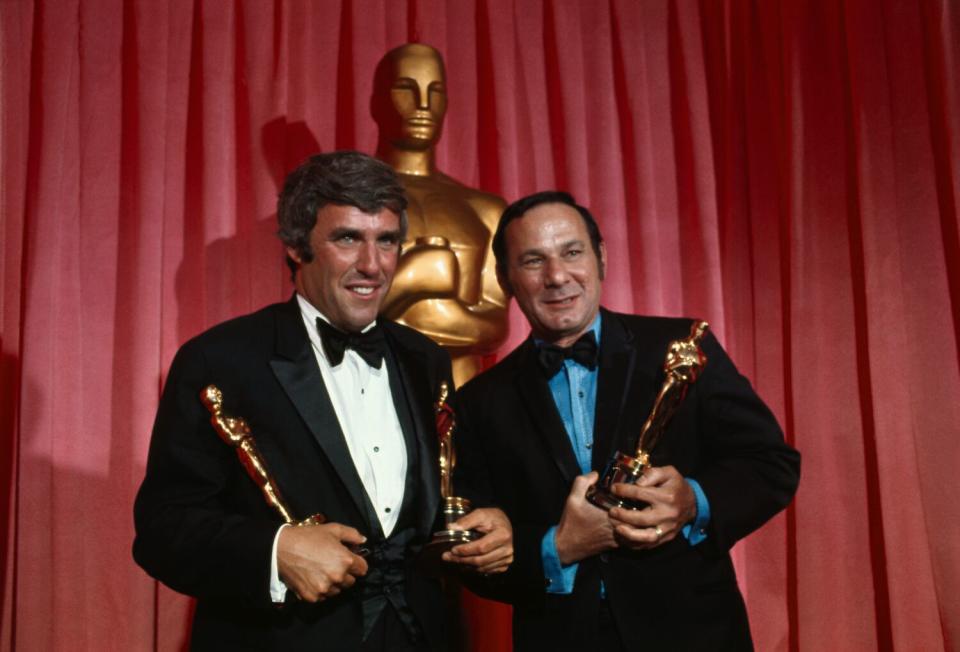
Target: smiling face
{"x": 354, "y": 258}
{"x": 418, "y": 95}
{"x": 553, "y": 272}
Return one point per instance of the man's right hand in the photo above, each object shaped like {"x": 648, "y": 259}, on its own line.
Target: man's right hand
{"x": 584, "y": 528}
{"x": 314, "y": 562}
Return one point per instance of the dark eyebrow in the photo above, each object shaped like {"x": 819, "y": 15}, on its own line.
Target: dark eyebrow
{"x": 341, "y": 232}
{"x": 529, "y": 252}
{"x": 393, "y": 234}
{"x": 357, "y": 234}
{"x": 566, "y": 245}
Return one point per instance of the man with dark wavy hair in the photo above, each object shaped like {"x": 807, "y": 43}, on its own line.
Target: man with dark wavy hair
{"x": 536, "y": 428}
{"x": 340, "y": 404}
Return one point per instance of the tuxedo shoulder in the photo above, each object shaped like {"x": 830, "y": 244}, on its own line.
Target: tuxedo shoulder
{"x": 648, "y": 327}
{"x": 498, "y": 376}
{"x": 656, "y": 322}
{"x": 253, "y": 330}
{"x": 411, "y": 337}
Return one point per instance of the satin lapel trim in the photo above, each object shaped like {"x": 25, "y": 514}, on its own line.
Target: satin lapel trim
{"x": 411, "y": 369}
{"x": 629, "y": 376}
{"x": 542, "y": 410}
{"x": 617, "y": 363}
{"x": 296, "y": 369}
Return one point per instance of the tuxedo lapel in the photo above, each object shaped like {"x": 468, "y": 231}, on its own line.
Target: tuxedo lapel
{"x": 616, "y": 364}
{"x": 411, "y": 398}
{"x": 625, "y": 385}
{"x": 538, "y": 402}
{"x": 295, "y": 367}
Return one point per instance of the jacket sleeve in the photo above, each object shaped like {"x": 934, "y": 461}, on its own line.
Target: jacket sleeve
{"x": 745, "y": 468}
{"x": 192, "y": 530}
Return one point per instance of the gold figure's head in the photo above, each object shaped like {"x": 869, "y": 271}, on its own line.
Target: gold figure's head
{"x": 684, "y": 359}
{"x": 232, "y": 430}
{"x": 212, "y": 398}
{"x": 442, "y": 396}
{"x": 410, "y": 97}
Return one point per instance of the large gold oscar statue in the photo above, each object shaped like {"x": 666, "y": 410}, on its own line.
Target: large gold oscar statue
{"x": 446, "y": 285}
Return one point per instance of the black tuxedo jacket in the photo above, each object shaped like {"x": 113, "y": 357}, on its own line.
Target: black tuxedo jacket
{"x": 514, "y": 452}
{"x": 203, "y": 526}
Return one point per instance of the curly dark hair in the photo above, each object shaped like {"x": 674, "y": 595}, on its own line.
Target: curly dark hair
{"x": 518, "y": 208}
{"x": 345, "y": 178}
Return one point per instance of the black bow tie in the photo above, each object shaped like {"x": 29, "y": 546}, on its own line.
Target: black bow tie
{"x": 369, "y": 345}
{"x": 584, "y": 351}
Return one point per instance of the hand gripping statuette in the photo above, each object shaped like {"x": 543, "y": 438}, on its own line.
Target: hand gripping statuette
{"x": 454, "y": 507}
{"x": 683, "y": 365}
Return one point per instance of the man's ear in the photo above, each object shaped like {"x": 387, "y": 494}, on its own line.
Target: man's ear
{"x": 504, "y": 283}
{"x": 294, "y": 255}
{"x": 603, "y": 260}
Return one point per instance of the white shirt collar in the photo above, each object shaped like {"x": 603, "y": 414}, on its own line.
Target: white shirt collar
{"x": 310, "y": 314}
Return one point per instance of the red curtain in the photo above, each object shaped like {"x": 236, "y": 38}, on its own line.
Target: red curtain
{"x": 786, "y": 170}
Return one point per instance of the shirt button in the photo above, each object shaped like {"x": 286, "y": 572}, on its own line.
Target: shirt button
{"x": 589, "y": 446}
{"x": 387, "y": 510}
{"x": 376, "y": 449}
{"x": 362, "y": 390}
{"x": 580, "y": 393}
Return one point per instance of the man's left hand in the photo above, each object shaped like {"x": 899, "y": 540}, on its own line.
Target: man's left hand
{"x": 672, "y": 505}
{"x": 491, "y": 553}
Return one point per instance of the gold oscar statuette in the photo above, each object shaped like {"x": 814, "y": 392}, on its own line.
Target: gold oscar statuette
{"x": 683, "y": 365}
{"x": 236, "y": 432}
{"x": 454, "y": 507}
{"x": 445, "y": 284}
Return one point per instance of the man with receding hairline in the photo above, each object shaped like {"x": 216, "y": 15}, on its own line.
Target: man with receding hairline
{"x": 535, "y": 429}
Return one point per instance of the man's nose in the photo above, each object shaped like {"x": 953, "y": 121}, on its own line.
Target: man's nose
{"x": 555, "y": 273}
{"x": 368, "y": 259}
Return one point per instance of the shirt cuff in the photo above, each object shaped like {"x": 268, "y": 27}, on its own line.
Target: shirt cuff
{"x": 696, "y": 531}
{"x": 559, "y": 577}
{"x": 278, "y": 590}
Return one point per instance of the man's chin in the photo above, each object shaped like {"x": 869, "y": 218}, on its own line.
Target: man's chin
{"x": 354, "y": 321}
{"x": 559, "y": 329}
{"x": 363, "y": 318}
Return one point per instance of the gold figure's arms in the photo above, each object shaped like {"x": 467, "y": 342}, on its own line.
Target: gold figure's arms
{"x": 446, "y": 285}
{"x": 428, "y": 269}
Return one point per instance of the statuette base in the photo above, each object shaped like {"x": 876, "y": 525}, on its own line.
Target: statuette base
{"x": 454, "y": 508}
{"x": 621, "y": 468}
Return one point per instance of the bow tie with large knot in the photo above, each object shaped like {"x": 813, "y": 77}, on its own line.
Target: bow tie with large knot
{"x": 369, "y": 345}
{"x": 584, "y": 351}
